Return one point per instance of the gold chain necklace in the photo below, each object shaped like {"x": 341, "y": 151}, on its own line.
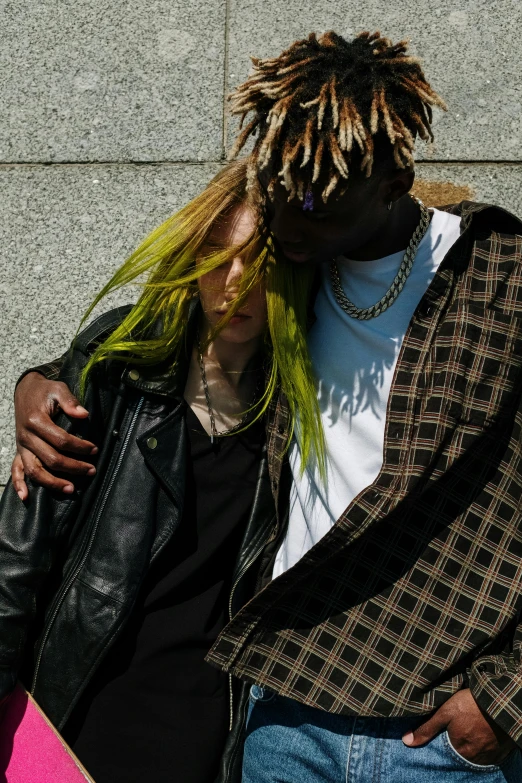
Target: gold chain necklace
{"x": 213, "y": 429}
{"x": 365, "y": 313}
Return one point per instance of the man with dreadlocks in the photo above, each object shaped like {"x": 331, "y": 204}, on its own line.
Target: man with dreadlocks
{"x": 396, "y": 588}
{"x": 386, "y": 644}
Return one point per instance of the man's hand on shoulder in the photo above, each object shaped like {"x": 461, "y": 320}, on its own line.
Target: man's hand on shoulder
{"x": 471, "y": 732}
{"x": 40, "y": 443}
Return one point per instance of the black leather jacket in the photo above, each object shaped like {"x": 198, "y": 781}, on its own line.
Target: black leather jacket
{"x": 71, "y": 567}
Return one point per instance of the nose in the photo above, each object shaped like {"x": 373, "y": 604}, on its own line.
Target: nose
{"x": 286, "y": 225}
{"x": 234, "y": 275}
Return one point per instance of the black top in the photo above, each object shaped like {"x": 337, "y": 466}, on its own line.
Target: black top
{"x": 155, "y": 710}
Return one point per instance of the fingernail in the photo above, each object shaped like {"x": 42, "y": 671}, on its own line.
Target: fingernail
{"x": 68, "y": 488}
{"x": 81, "y": 409}
{"x": 21, "y": 495}
{"x": 408, "y": 739}
{"x": 91, "y": 471}
{"x": 94, "y": 450}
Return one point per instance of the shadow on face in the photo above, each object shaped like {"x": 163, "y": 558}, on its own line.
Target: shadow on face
{"x": 219, "y": 287}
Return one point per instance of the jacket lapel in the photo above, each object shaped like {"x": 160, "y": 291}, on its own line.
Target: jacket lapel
{"x": 164, "y": 448}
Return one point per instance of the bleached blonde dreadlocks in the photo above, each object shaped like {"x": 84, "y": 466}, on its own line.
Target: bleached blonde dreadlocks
{"x": 320, "y": 105}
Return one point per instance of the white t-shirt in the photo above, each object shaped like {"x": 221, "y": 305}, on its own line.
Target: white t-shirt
{"x": 354, "y": 363}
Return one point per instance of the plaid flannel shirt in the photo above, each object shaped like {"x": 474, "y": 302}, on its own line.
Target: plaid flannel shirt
{"x": 416, "y": 591}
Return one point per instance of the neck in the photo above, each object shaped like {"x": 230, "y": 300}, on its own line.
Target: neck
{"x": 393, "y": 235}
{"x": 230, "y": 358}
{"x": 231, "y": 389}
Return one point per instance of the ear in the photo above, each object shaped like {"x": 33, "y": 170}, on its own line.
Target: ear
{"x": 395, "y": 184}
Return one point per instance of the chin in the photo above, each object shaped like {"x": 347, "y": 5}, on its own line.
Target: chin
{"x": 231, "y": 334}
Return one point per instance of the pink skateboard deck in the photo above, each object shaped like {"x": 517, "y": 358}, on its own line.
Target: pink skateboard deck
{"x": 31, "y": 750}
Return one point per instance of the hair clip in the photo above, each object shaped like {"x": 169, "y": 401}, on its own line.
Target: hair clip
{"x": 308, "y": 203}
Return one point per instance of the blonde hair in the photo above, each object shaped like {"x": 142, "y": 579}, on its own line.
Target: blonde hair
{"x": 168, "y": 255}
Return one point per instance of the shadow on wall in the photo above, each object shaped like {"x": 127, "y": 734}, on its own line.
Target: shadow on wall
{"x": 438, "y": 194}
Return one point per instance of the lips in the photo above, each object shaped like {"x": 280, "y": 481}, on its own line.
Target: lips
{"x": 236, "y": 318}
{"x": 295, "y": 253}
{"x": 298, "y": 256}
{"x": 239, "y": 319}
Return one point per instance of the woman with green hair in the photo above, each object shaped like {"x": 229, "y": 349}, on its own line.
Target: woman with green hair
{"x": 112, "y": 594}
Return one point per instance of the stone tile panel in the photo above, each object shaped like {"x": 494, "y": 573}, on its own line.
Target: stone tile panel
{"x": 111, "y": 80}
{"x": 500, "y": 184}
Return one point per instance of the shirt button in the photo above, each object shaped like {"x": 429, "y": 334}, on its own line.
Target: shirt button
{"x": 152, "y": 443}
{"x": 134, "y": 375}
{"x": 281, "y": 429}
{"x": 376, "y": 494}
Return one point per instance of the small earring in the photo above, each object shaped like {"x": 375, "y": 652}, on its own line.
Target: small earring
{"x": 390, "y": 205}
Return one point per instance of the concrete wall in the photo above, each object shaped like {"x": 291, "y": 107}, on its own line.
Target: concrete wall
{"x": 114, "y": 115}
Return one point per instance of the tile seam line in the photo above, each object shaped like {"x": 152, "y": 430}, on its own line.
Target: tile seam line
{"x": 55, "y": 164}
{"x": 225, "y": 80}
{"x": 222, "y": 161}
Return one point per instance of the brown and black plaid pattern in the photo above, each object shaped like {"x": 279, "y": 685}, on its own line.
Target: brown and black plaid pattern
{"x": 51, "y": 370}
{"x": 417, "y": 589}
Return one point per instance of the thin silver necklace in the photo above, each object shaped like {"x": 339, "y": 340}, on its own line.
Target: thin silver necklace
{"x": 365, "y": 313}
{"x": 213, "y": 429}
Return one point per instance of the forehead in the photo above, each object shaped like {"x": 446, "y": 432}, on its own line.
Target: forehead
{"x": 235, "y": 227}
{"x": 356, "y": 190}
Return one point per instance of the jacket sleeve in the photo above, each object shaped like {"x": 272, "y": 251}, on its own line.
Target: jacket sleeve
{"x": 30, "y": 536}
{"x": 496, "y": 685}
{"x": 33, "y": 533}
{"x": 51, "y": 370}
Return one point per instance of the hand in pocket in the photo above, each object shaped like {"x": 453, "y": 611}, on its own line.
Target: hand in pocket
{"x": 471, "y": 732}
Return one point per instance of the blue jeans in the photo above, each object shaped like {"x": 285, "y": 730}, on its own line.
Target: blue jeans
{"x": 288, "y": 742}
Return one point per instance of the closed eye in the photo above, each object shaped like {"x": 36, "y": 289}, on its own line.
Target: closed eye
{"x": 212, "y": 247}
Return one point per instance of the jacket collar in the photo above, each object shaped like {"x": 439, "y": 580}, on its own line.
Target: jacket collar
{"x": 485, "y": 217}
{"x": 160, "y": 378}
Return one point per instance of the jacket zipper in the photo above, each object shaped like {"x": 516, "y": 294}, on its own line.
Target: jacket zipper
{"x": 80, "y": 565}
{"x": 240, "y": 575}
